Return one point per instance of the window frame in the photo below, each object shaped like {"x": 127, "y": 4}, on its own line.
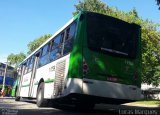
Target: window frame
{"x": 31, "y": 62}
{"x": 60, "y": 45}
{"x": 43, "y": 55}
{"x": 68, "y": 38}
{"x": 25, "y": 67}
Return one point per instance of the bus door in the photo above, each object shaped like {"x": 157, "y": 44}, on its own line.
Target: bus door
{"x": 19, "y": 81}
{"x": 34, "y": 66}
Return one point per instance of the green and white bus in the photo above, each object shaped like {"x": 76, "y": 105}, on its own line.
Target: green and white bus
{"x": 93, "y": 59}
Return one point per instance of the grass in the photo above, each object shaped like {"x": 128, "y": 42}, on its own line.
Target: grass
{"x": 148, "y": 102}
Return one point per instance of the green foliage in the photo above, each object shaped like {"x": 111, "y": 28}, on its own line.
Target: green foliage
{"x": 158, "y": 3}
{"x": 156, "y": 77}
{"x": 150, "y": 36}
{"x": 15, "y": 59}
{"x": 91, "y": 5}
{"x": 37, "y": 42}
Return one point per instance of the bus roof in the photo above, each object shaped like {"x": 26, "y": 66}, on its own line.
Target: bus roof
{"x": 55, "y": 34}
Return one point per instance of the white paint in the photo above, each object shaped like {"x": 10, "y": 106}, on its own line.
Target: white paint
{"x": 43, "y": 72}
{"x": 111, "y": 90}
{"x": 73, "y": 85}
{"x": 26, "y": 81}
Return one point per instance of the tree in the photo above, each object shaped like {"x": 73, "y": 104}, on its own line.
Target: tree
{"x": 156, "y": 77}
{"x": 150, "y": 36}
{"x": 158, "y": 3}
{"x": 37, "y": 42}
{"x": 15, "y": 59}
{"x": 91, "y": 5}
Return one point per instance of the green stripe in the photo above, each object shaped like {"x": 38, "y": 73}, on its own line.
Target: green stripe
{"x": 49, "y": 81}
{"x": 36, "y": 83}
{"x": 26, "y": 85}
{"x": 46, "y": 81}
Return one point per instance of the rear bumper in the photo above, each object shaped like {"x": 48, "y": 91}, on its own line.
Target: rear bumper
{"x": 74, "y": 98}
{"x": 111, "y": 90}
{"x": 100, "y": 91}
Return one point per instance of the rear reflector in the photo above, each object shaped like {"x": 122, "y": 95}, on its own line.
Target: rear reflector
{"x": 112, "y": 79}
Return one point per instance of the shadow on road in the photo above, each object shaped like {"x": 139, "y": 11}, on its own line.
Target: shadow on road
{"x": 28, "y": 107}
{"x": 103, "y": 109}
{"x": 98, "y": 110}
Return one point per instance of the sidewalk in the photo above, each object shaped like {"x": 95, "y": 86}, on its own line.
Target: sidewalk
{"x": 7, "y": 97}
{"x": 142, "y": 105}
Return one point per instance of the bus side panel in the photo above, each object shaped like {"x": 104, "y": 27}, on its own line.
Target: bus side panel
{"x": 61, "y": 76}
{"x": 35, "y": 87}
{"x": 25, "y": 85}
{"x": 48, "y": 73}
{"x": 48, "y": 76}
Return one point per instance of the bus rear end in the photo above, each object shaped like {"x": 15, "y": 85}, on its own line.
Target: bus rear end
{"x": 111, "y": 65}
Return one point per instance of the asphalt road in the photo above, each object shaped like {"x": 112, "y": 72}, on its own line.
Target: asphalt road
{"x": 9, "y": 107}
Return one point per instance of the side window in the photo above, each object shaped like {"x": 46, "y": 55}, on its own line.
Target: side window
{"x": 57, "y": 41}
{"x": 67, "y": 34}
{"x": 70, "y": 32}
{"x": 30, "y": 66}
{"x": 1, "y": 73}
{"x": 45, "y": 50}
{"x": 44, "y": 55}
{"x": 25, "y": 67}
{"x": 56, "y": 46}
{"x": 19, "y": 70}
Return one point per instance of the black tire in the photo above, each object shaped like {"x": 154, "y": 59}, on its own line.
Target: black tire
{"x": 17, "y": 98}
{"x": 41, "y": 102}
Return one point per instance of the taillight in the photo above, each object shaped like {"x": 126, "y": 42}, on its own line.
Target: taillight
{"x": 85, "y": 68}
{"x": 111, "y": 78}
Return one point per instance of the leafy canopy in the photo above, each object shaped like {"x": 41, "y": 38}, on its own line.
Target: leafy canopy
{"x": 37, "y": 42}
{"x": 158, "y": 3}
{"x": 15, "y": 59}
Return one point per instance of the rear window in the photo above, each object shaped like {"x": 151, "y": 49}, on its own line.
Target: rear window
{"x": 112, "y": 36}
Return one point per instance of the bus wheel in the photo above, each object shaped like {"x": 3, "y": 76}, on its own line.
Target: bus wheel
{"x": 17, "y": 98}
{"x": 41, "y": 102}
